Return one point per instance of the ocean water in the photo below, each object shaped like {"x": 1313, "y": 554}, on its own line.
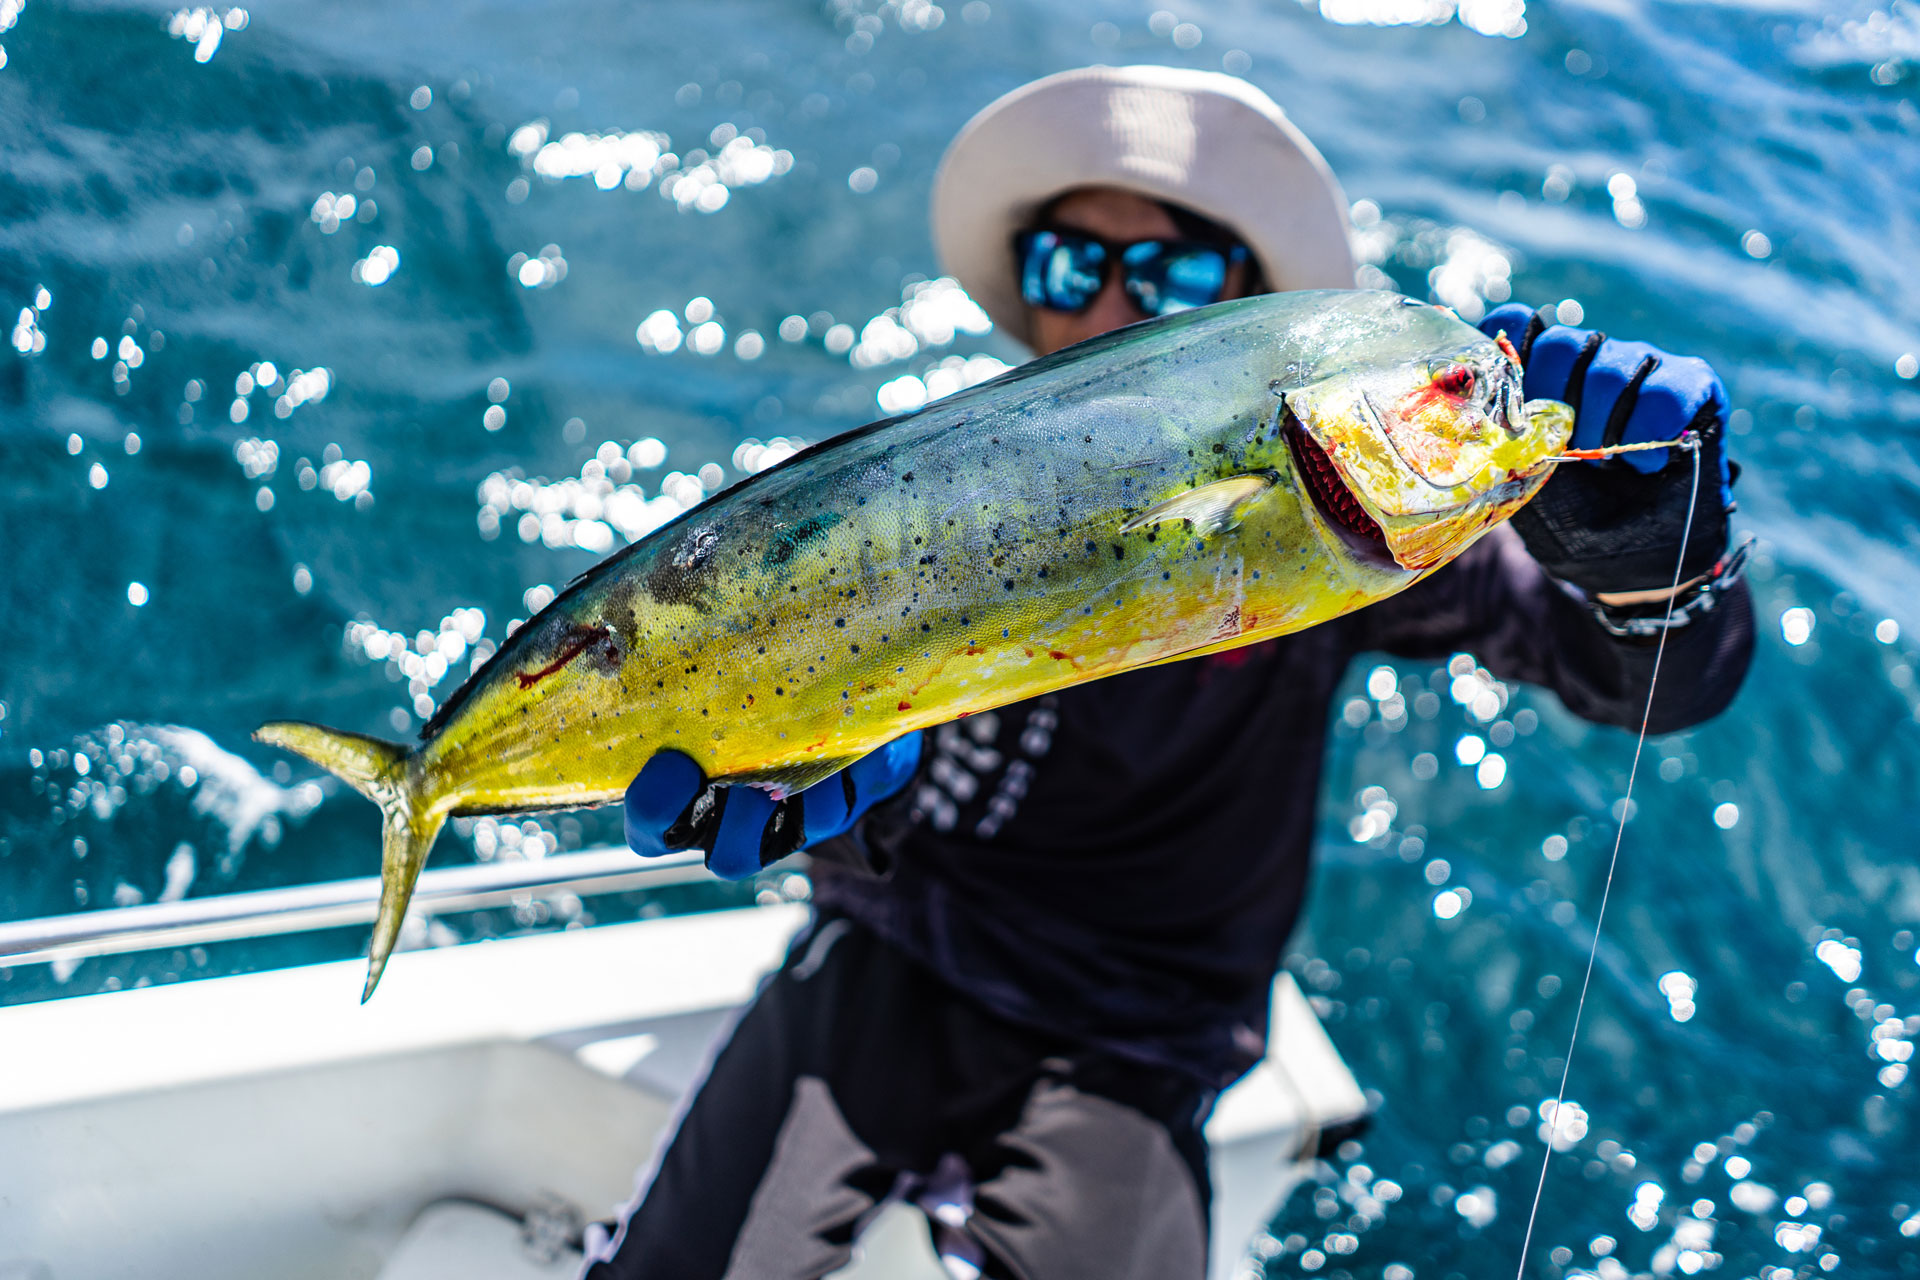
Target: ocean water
{"x": 340, "y": 337}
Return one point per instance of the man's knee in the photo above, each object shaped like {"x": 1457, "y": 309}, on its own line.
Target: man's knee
{"x": 1091, "y": 1187}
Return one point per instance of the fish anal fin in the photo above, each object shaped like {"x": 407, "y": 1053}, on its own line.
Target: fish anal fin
{"x": 1217, "y": 507}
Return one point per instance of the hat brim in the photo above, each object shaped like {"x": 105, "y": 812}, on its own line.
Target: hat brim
{"x": 1207, "y": 141}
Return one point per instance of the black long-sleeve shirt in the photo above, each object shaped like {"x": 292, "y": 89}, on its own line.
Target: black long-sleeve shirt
{"x": 1124, "y": 860}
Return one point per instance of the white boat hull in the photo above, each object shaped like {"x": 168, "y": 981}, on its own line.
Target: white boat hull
{"x": 269, "y": 1125}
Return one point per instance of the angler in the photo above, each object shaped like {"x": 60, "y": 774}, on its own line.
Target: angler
{"x": 1038, "y": 956}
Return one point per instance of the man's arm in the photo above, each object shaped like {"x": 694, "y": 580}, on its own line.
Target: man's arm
{"x": 1498, "y": 603}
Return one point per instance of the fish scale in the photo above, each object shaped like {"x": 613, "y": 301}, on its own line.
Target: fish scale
{"x": 1132, "y": 500}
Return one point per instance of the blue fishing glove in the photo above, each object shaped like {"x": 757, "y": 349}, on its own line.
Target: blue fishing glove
{"x": 671, "y": 805}
{"x": 1616, "y": 525}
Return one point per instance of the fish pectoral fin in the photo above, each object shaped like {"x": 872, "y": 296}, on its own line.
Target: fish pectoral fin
{"x": 1213, "y": 508}
{"x": 790, "y": 779}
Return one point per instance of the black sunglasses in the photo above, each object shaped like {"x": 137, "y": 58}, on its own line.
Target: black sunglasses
{"x": 1065, "y": 270}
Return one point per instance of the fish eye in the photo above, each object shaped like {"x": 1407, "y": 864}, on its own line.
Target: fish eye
{"x": 1455, "y": 380}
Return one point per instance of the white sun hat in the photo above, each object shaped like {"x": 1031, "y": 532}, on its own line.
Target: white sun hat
{"x": 1210, "y": 142}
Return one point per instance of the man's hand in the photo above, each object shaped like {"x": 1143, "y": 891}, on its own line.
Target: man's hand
{"x": 1615, "y": 527}
{"x": 742, "y": 829}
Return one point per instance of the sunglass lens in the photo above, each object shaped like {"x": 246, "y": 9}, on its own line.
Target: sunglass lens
{"x": 1196, "y": 279}
{"x": 1062, "y": 273}
{"x": 1164, "y": 280}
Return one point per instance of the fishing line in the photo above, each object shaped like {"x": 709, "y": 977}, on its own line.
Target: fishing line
{"x": 1692, "y": 445}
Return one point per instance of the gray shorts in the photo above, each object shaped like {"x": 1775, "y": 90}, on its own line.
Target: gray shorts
{"x": 857, "y": 1079}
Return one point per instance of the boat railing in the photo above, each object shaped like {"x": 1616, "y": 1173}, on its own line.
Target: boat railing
{"x": 264, "y": 913}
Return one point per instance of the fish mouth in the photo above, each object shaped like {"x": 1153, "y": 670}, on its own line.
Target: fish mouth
{"x": 1340, "y": 509}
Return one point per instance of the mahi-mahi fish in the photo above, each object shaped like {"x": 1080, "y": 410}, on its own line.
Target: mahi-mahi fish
{"x": 1175, "y": 488}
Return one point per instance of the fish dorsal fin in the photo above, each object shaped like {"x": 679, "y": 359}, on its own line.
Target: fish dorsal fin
{"x": 1213, "y": 508}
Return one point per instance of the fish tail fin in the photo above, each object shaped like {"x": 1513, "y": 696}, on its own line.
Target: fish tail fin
{"x": 406, "y": 837}
{"x": 366, "y": 764}
{"x": 376, "y": 769}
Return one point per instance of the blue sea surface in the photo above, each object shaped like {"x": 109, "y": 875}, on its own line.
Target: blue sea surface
{"x": 342, "y": 335}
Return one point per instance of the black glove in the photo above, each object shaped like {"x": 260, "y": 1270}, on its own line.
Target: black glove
{"x": 1616, "y": 525}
